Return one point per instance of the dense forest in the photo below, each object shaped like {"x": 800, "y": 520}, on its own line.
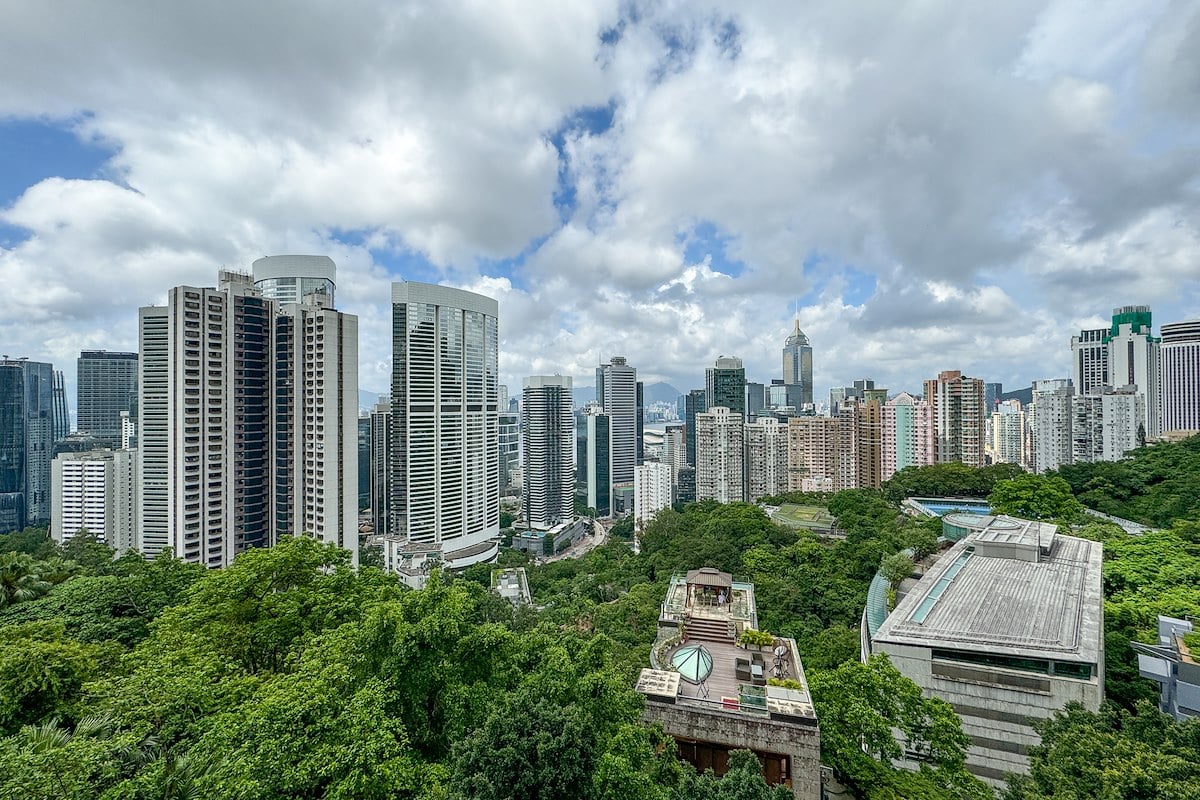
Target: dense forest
{"x": 291, "y": 675}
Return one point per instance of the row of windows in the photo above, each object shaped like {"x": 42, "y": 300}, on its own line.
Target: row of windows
{"x": 1064, "y": 669}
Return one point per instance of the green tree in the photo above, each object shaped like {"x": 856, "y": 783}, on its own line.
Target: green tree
{"x": 1036, "y": 497}
{"x": 35, "y": 542}
{"x": 895, "y": 568}
{"x": 742, "y": 781}
{"x": 19, "y": 579}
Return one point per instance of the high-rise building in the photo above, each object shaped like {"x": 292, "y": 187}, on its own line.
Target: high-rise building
{"x": 1089, "y": 360}
{"x": 861, "y": 441}
{"x": 94, "y": 492}
{"x": 725, "y": 385}
{"x": 958, "y": 418}
{"x": 364, "y": 462}
{"x": 445, "y": 437}
{"x": 906, "y": 423}
{"x": 674, "y": 449}
{"x": 106, "y": 385}
{"x": 618, "y": 394}
{"x": 1133, "y": 360}
{"x": 249, "y": 421}
{"x": 797, "y": 364}
{"x": 32, "y": 419}
{"x": 152, "y": 464}
{"x": 651, "y": 492}
{"x": 594, "y": 455}
{"x": 1008, "y": 444}
{"x": 756, "y": 400}
{"x": 840, "y": 394}
{"x": 548, "y": 438}
{"x": 719, "y": 456}
{"x": 291, "y": 278}
{"x": 1051, "y": 424}
{"x": 766, "y": 459}
{"x": 812, "y": 453}
{"x": 991, "y": 397}
{"x": 694, "y": 403}
{"x": 1179, "y": 376}
{"x": 1104, "y": 426}
{"x": 381, "y": 466}
{"x": 509, "y": 427}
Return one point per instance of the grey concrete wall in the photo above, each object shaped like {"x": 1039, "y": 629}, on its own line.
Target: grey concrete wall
{"x": 801, "y": 743}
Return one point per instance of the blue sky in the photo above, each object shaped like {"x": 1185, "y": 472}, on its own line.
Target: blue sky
{"x": 666, "y": 183}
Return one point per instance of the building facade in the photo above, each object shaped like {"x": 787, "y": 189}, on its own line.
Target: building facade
{"x": 1050, "y": 424}
{"x": 694, "y": 403}
{"x": 1133, "y": 361}
{"x": 725, "y": 385}
{"x": 33, "y": 417}
{"x": 152, "y": 466}
{"x": 445, "y": 459}
{"x": 381, "y": 466}
{"x": 1089, "y": 361}
{"x": 594, "y": 455}
{"x": 94, "y": 491}
{"x": 651, "y": 492}
{"x": 812, "y": 451}
{"x": 1179, "y": 376}
{"x": 618, "y": 393}
{"x": 719, "y": 456}
{"x": 1104, "y": 426}
{"x": 766, "y": 458}
{"x": 548, "y": 436}
{"x": 958, "y": 418}
{"x": 1007, "y": 431}
{"x": 106, "y": 385}
{"x": 798, "y": 365}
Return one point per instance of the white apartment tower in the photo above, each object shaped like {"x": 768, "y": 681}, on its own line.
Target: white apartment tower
{"x": 1179, "y": 376}
{"x": 1051, "y": 423}
{"x": 1104, "y": 426}
{"x": 445, "y": 435}
{"x": 548, "y": 442}
{"x": 249, "y": 414}
{"x": 1008, "y": 433}
{"x": 766, "y": 458}
{"x": 958, "y": 418}
{"x": 719, "y": 456}
{"x": 651, "y": 492}
{"x": 94, "y": 491}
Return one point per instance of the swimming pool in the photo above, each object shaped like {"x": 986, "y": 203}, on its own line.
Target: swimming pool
{"x": 937, "y": 506}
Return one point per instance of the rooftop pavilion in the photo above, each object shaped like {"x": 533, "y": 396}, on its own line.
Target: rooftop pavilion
{"x": 714, "y": 694}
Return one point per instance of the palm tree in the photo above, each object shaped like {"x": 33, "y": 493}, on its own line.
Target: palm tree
{"x": 19, "y": 579}
{"x": 56, "y": 570}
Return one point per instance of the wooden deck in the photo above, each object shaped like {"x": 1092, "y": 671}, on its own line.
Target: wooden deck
{"x": 723, "y": 681}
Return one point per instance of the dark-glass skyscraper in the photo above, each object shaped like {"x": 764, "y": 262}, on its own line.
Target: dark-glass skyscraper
{"x": 32, "y": 419}
{"x": 725, "y": 385}
{"x": 797, "y": 364}
{"x": 106, "y": 385}
{"x": 694, "y": 403}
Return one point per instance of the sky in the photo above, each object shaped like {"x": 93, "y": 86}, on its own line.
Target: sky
{"x": 925, "y": 186}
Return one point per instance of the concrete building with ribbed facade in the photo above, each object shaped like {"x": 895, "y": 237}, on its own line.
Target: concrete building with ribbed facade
{"x": 548, "y": 444}
{"x": 1179, "y": 376}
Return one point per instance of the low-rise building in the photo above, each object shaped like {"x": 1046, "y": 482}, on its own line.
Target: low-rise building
{"x": 1175, "y": 666}
{"x": 714, "y": 696}
{"x": 1006, "y": 626}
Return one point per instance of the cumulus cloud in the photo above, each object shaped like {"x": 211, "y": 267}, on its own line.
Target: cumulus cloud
{"x": 931, "y": 186}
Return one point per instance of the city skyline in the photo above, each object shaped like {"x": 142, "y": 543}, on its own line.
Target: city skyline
{"x": 664, "y": 185}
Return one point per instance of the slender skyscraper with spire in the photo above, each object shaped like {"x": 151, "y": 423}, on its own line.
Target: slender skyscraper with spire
{"x": 797, "y": 367}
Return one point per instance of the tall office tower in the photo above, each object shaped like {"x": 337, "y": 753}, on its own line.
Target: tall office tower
{"x": 106, "y": 385}
{"x": 594, "y": 456}
{"x": 508, "y": 425}
{"x": 548, "y": 442}
{"x": 812, "y": 453}
{"x": 1089, "y": 360}
{"x": 381, "y": 466}
{"x": 31, "y": 420}
{"x": 777, "y": 394}
{"x": 153, "y": 470}
{"x": 315, "y": 406}
{"x": 1051, "y": 424}
{"x": 364, "y": 462}
{"x": 719, "y": 456}
{"x": 445, "y": 428}
{"x": 991, "y": 397}
{"x": 1179, "y": 358}
{"x": 685, "y": 488}
{"x": 651, "y": 492}
{"x": 756, "y": 400}
{"x": 617, "y": 392}
{"x": 1008, "y": 433}
{"x": 640, "y": 412}
{"x": 694, "y": 403}
{"x": 958, "y": 418}
{"x": 94, "y": 492}
{"x": 725, "y": 385}
{"x": 1133, "y": 360}
{"x": 291, "y": 278}
{"x": 1104, "y": 426}
{"x": 766, "y": 458}
{"x": 903, "y": 422}
{"x": 797, "y": 365}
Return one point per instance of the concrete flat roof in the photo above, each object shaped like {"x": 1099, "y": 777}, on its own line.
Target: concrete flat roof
{"x": 1046, "y": 609}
